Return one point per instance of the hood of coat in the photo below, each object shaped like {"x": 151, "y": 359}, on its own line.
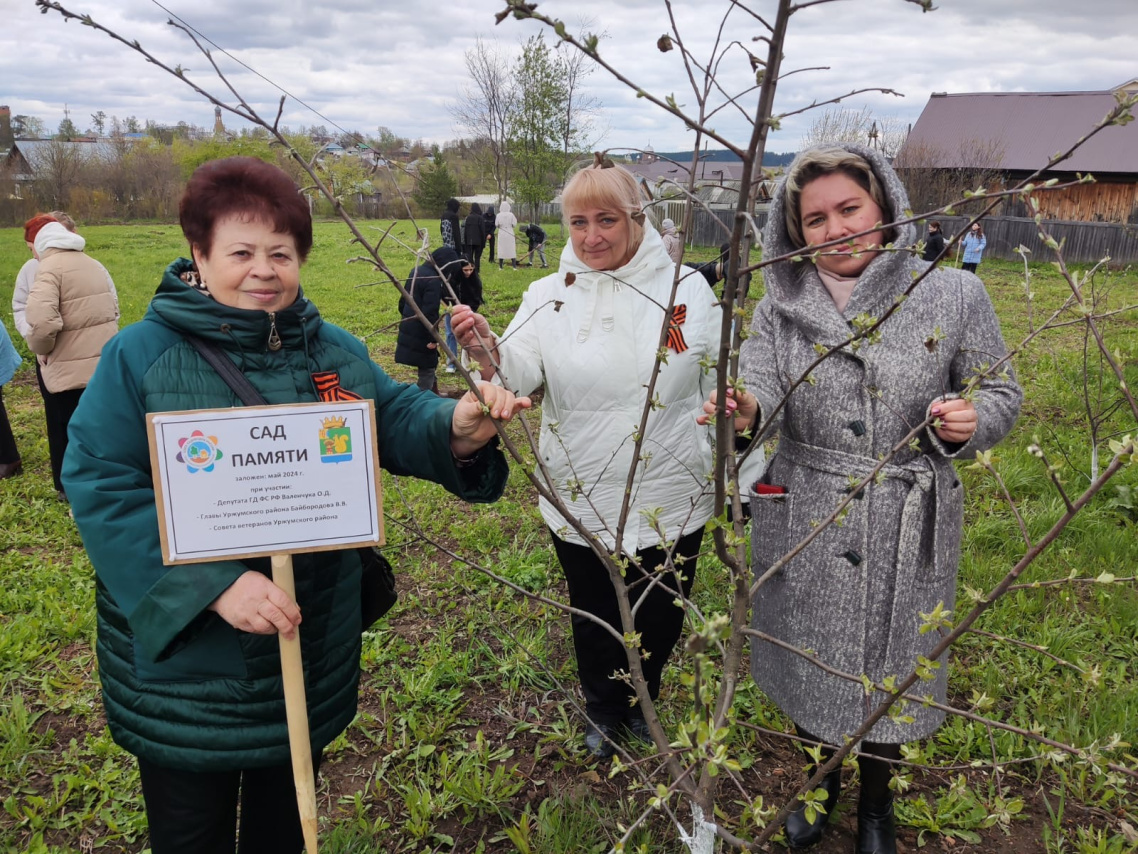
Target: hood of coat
{"x": 648, "y": 266}
{"x": 55, "y": 236}
{"x": 797, "y": 292}
{"x": 649, "y": 258}
{"x": 188, "y": 310}
{"x": 450, "y": 263}
{"x": 505, "y": 207}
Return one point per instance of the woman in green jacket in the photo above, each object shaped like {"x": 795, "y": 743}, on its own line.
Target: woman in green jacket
{"x": 189, "y": 664}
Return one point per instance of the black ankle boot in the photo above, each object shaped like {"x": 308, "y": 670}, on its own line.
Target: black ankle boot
{"x": 801, "y": 833}
{"x": 636, "y": 726}
{"x": 876, "y": 830}
{"x": 599, "y": 740}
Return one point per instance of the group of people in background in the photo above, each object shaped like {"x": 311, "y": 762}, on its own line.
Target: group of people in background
{"x": 453, "y": 277}
{"x": 188, "y": 663}
{"x": 66, "y": 308}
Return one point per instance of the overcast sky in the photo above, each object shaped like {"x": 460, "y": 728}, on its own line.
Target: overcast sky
{"x": 366, "y": 63}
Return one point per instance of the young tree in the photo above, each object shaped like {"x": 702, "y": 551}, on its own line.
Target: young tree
{"x": 581, "y": 112}
{"x": 58, "y": 167}
{"x": 67, "y": 130}
{"x": 489, "y": 105}
{"x": 935, "y": 175}
{"x": 844, "y": 124}
{"x": 99, "y": 123}
{"x": 28, "y": 127}
{"x": 539, "y": 127}
{"x": 436, "y": 185}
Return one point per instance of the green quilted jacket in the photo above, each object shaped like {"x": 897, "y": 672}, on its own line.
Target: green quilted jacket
{"x": 181, "y": 686}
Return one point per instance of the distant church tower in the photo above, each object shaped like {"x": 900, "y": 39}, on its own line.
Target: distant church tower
{"x": 218, "y": 124}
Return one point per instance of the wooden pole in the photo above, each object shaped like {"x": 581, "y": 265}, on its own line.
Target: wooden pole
{"x": 296, "y": 710}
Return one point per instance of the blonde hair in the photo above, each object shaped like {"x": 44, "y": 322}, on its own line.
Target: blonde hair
{"x": 828, "y": 160}
{"x": 609, "y": 188}
{"x": 63, "y": 219}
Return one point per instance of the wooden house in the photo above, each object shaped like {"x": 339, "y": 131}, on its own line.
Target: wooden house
{"x": 1004, "y": 137}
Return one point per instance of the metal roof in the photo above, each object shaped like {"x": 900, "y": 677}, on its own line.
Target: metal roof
{"x": 35, "y": 149}
{"x": 707, "y": 170}
{"x": 1022, "y": 131}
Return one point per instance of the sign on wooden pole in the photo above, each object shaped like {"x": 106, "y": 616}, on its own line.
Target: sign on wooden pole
{"x": 269, "y": 481}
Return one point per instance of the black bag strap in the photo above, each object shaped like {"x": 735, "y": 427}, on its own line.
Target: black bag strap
{"x": 228, "y": 371}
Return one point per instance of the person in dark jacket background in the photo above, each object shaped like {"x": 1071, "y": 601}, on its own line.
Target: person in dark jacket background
{"x": 934, "y": 243}
{"x": 714, "y": 271}
{"x": 488, "y": 217}
{"x": 189, "y": 665}
{"x": 415, "y": 345}
{"x": 474, "y": 236}
{"x": 535, "y": 234}
{"x": 470, "y": 287}
{"x": 449, "y": 228}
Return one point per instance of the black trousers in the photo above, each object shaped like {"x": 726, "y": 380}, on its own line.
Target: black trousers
{"x": 196, "y": 813}
{"x": 970, "y": 267}
{"x": 9, "y": 453}
{"x": 474, "y": 255}
{"x": 58, "y": 407}
{"x": 659, "y": 621}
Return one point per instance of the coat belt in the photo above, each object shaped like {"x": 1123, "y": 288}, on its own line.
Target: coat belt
{"x": 918, "y": 473}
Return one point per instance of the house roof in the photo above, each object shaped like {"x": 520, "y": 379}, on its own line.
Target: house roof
{"x": 705, "y": 170}
{"x": 1022, "y": 131}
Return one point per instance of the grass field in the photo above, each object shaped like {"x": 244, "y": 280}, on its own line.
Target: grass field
{"x": 465, "y": 739}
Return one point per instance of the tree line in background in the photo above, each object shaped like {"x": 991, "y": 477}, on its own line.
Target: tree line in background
{"x": 525, "y": 111}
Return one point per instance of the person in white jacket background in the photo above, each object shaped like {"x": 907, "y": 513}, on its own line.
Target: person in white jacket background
{"x": 57, "y": 407}
{"x": 590, "y": 334}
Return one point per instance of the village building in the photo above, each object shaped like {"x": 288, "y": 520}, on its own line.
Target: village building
{"x": 1007, "y": 136}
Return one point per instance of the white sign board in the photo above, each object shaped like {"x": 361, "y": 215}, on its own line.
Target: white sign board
{"x": 263, "y": 480}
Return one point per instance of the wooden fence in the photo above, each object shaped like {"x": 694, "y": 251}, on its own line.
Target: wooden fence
{"x": 1083, "y": 242}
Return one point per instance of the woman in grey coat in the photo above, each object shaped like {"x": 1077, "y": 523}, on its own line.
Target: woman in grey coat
{"x": 853, "y": 597}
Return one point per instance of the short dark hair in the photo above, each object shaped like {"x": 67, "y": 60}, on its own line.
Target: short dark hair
{"x": 248, "y": 187}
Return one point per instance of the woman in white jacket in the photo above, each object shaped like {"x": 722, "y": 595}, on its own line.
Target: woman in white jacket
{"x": 590, "y": 334}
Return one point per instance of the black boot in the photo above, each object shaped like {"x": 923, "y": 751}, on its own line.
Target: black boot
{"x": 499, "y": 263}
{"x": 801, "y": 833}
{"x": 876, "y": 830}
{"x": 600, "y": 740}
{"x": 636, "y": 725}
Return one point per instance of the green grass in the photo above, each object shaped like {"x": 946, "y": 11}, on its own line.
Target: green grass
{"x": 466, "y": 739}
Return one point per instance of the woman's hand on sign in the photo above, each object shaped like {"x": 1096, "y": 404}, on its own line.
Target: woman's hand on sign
{"x": 472, "y": 425}
{"x": 254, "y": 604}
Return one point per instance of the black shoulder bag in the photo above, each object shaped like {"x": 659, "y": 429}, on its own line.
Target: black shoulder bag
{"x": 377, "y": 581}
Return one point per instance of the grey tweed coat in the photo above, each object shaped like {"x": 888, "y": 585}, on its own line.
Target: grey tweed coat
{"x": 854, "y": 595}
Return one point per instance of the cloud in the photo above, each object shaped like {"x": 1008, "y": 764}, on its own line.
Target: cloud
{"x": 363, "y": 64}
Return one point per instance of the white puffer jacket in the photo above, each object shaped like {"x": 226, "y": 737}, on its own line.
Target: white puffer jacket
{"x": 592, "y": 344}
